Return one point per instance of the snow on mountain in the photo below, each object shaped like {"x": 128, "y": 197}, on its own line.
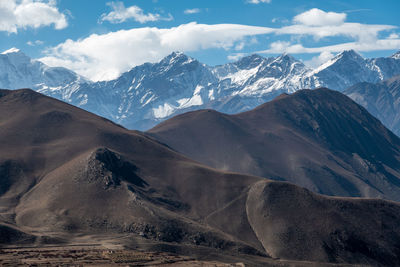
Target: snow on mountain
{"x": 348, "y": 68}
{"x": 396, "y": 55}
{"x": 17, "y": 70}
{"x": 256, "y": 75}
{"x": 11, "y": 50}
{"x": 385, "y": 67}
{"x": 342, "y": 71}
{"x": 152, "y": 92}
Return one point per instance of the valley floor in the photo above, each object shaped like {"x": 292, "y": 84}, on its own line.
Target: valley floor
{"x": 106, "y": 255}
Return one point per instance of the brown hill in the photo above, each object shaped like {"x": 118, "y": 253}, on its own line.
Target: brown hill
{"x": 318, "y": 139}
{"x": 64, "y": 169}
{"x": 69, "y": 176}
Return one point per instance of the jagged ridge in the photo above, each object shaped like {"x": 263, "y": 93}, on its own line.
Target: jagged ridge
{"x": 153, "y": 92}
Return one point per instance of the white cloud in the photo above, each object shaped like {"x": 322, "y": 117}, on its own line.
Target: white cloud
{"x": 321, "y": 24}
{"x": 317, "y": 17}
{"x": 394, "y": 36}
{"x": 280, "y": 20}
{"x": 120, "y": 14}
{"x": 377, "y": 45}
{"x": 258, "y": 1}
{"x": 252, "y": 40}
{"x": 192, "y": 11}
{"x": 279, "y": 46}
{"x": 319, "y": 60}
{"x": 35, "y": 43}
{"x": 236, "y": 56}
{"x": 361, "y": 32}
{"x": 102, "y": 57}
{"x": 22, "y": 14}
{"x": 239, "y": 46}
{"x": 105, "y": 56}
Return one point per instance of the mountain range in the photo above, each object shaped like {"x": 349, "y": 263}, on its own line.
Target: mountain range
{"x": 153, "y": 92}
{"x": 68, "y": 176}
{"x": 381, "y": 99}
{"x": 17, "y": 71}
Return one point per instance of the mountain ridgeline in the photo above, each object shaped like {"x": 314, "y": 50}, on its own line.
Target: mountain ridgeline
{"x": 68, "y": 176}
{"x": 319, "y": 139}
{"x": 153, "y": 92}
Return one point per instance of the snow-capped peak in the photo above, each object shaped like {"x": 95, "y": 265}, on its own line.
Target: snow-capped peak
{"x": 176, "y": 57}
{"x": 285, "y": 57}
{"x": 250, "y": 61}
{"x": 346, "y": 55}
{"x": 154, "y": 91}
{"x": 20, "y": 71}
{"x": 16, "y": 57}
{"x": 11, "y": 50}
{"x": 287, "y": 63}
{"x": 349, "y": 54}
{"x": 176, "y": 54}
{"x": 251, "y": 58}
{"x": 396, "y": 55}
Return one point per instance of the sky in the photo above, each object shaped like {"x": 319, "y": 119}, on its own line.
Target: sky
{"x": 100, "y": 39}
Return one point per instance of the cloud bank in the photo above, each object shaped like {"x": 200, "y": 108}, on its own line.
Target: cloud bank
{"x": 320, "y": 24}
{"x": 317, "y": 17}
{"x": 22, "y": 14}
{"x": 103, "y": 57}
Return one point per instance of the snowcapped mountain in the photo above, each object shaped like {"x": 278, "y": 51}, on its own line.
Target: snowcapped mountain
{"x": 17, "y": 70}
{"x": 255, "y": 75}
{"x": 349, "y": 68}
{"x": 344, "y": 70}
{"x": 148, "y": 93}
{"x": 396, "y": 55}
{"x": 152, "y": 92}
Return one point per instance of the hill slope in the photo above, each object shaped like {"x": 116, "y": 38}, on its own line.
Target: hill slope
{"x": 318, "y": 139}
{"x": 64, "y": 169}
{"x": 68, "y": 175}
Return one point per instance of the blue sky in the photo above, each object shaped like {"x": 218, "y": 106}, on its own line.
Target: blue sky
{"x": 100, "y": 39}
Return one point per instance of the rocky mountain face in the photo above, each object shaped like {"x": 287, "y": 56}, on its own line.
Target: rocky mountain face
{"x": 69, "y": 177}
{"x": 319, "y": 139}
{"x": 151, "y": 93}
{"x": 380, "y": 99}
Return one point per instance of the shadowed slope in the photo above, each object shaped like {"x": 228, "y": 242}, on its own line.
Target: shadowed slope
{"x": 64, "y": 169}
{"x": 318, "y": 139}
{"x": 294, "y": 223}
{"x": 381, "y": 100}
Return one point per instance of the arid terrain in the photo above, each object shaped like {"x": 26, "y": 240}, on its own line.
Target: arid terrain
{"x": 75, "y": 186}
{"x": 318, "y": 139}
